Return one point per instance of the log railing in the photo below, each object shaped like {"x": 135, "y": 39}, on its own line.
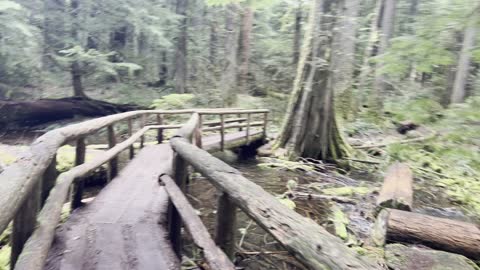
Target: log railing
{"x": 26, "y": 184}
{"x": 307, "y": 241}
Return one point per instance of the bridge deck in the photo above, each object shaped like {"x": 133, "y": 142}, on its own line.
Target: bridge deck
{"x": 124, "y": 228}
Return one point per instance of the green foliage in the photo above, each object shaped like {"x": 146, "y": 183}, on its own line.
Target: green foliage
{"x": 252, "y": 3}
{"x": 93, "y": 61}
{"x": 424, "y": 53}
{"x": 174, "y": 101}
{"x": 419, "y": 110}
{"x": 453, "y": 158}
{"x": 340, "y": 221}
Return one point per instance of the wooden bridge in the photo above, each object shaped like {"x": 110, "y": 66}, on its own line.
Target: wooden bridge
{"x": 135, "y": 221}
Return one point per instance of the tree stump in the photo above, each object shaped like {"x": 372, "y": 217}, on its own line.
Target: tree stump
{"x": 397, "y": 190}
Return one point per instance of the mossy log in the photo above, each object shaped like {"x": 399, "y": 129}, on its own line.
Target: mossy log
{"x": 21, "y": 114}
{"x": 444, "y": 234}
{"x": 400, "y": 257}
{"x": 397, "y": 190}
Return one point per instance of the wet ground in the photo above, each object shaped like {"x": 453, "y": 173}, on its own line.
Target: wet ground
{"x": 257, "y": 250}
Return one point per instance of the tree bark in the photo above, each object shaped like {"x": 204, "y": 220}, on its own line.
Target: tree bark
{"x": 387, "y": 30}
{"x": 440, "y": 233}
{"x": 181, "y": 72}
{"x": 463, "y": 67}
{"x": 310, "y": 127}
{"x": 229, "y": 74}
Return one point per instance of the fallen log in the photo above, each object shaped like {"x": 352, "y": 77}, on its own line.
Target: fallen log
{"x": 400, "y": 257}
{"x": 397, "y": 190}
{"x": 439, "y": 233}
{"x": 21, "y": 114}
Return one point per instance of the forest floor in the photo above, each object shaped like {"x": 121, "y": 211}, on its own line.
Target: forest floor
{"x": 443, "y": 152}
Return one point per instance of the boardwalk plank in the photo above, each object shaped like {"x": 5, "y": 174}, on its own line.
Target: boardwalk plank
{"x": 122, "y": 227}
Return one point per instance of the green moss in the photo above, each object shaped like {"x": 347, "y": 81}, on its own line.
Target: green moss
{"x": 6, "y": 158}
{"x": 174, "y": 101}
{"x": 340, "y": 221}
{"x": 66, "y": 158}
{"x": 5, "y": 257}
{"x": 346, "y": 191}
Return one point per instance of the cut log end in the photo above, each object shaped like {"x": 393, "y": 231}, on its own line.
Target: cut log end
{"x": 397, "y": 189}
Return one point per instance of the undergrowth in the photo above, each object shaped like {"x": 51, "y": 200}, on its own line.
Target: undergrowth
{"x": 451, "y": 160}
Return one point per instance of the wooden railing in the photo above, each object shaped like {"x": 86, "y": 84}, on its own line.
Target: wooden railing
{"x": 307, "y": 241}
{"x": 26, "y": 184}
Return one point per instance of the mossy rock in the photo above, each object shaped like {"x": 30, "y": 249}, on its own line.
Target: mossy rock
{"x": 400, "y": 257}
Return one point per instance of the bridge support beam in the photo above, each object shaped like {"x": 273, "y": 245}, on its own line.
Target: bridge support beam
{"x": 131, "y": 148}
{"x": 226, "y": 225}
{"x": 113, "y": 163}
{"x": 180, "y": 172}
{"x": 24, "y": 223}
{"x": 77, "y": 194}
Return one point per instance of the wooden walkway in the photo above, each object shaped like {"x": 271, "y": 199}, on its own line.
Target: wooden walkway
{"x": 124, "y": 226}
{"x": 136, "y": 221}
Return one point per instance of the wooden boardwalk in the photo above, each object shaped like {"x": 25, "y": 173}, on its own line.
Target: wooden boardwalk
{"x": 124, "y": 226}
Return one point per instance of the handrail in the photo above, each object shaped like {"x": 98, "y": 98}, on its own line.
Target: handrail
{"x": 310, "y": 243}
{"x": 21, "y": 178}
{"x": 37, "y": 246}
{"x": 214, "y": 255}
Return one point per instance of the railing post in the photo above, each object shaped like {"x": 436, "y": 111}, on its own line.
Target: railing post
{"x": 131, "y": 149}
{"x": 24, "y": 223}
{"x": 78, "y": 186}
{"x": 113, "y": 163}
{"x": 239, "y": 116}
{"x": 222, "y": 132}
{"x": 49, "y": 179}
{"x": 265, "y": 123}
{"x": 143, "y": 122}
{"x": 160, "y": 130}
{"x": 180, "y": 172}
{"x": 198, "y": 132}
{"x": 248, "y": 128}
{"x": 226, "y": 225}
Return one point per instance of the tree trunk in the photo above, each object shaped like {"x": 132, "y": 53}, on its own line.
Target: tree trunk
{"x": 463, "y": 67}
{"x": 366, "y": 68}
{"x": 343, "y": 59}
{"x": 180, "y": 76}
{"x": 213, "y": 41}
{"x": 247, "y": 24}
{"x": 297, "y": 33}
{"x": 229, "y": 74}
{"x": 387, "y": 29}
{"x": 53, "y": 29}
{"x": 75, "y": 67}
{"x": 310, "y": 128}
